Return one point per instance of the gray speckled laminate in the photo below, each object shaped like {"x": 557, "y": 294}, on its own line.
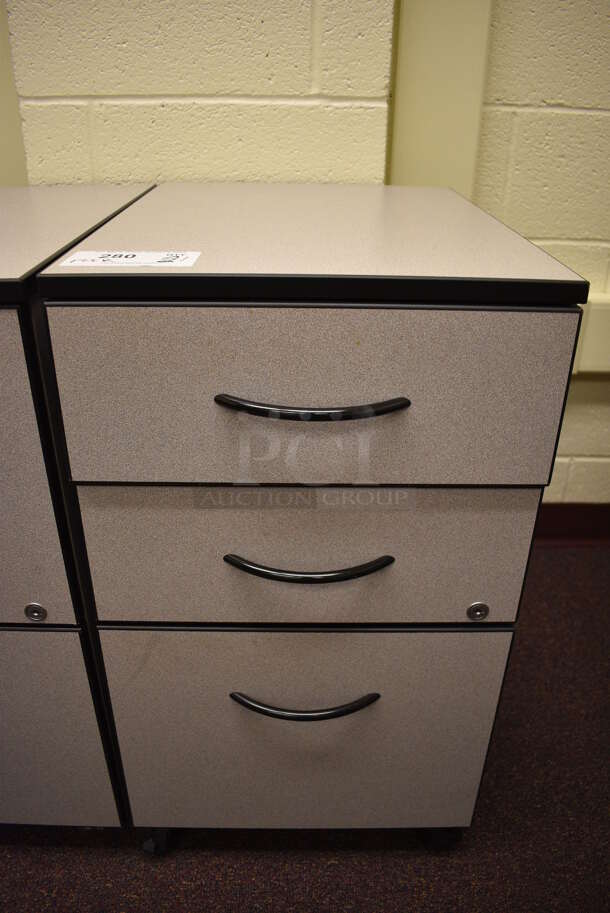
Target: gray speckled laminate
{"x": 195, "y": 758}
{"x": 156, "y": 553}
{"x": 137, "y": 386}
{"x": 52, "y": 766}
{"x": 30, "y": 553}
{"x": 321, "y": 230}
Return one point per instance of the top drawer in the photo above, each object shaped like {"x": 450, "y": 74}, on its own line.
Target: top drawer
{"x": 137, "y": 387}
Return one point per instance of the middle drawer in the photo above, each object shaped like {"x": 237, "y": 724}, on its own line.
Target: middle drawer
{"x": 158, "y": 553}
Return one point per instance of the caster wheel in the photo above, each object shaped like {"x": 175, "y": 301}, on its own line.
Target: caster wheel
{"x": 157, "y": 843}
{"x": 440, "y": 839}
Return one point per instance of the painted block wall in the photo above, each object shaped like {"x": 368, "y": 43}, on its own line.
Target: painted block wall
{"x": 581, "y": 473}
{"x": 12, "y": 155}
{"x": 543, "y": 165}
{"x": 293, "y": 90}
{"x": 544, "y": 169}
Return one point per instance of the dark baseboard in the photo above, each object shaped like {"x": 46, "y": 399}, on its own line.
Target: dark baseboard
{"x": 568, "y": 524}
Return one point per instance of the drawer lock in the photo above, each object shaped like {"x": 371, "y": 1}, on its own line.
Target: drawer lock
{"x": 478, "y": 611}
{"x": 35, "y": 612}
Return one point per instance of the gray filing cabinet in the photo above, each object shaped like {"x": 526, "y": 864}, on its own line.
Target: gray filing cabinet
{"x": 306, "y": 430}
{"x": 52, "y": 764}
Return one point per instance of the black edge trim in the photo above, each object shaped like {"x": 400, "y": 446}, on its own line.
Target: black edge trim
{"x": 265, "y": 304}
{"x": 383, "y": 485}
{"x": 11, "y": 293}
{"x": 314, "y": 627}
{"x": 94, "y": 664}
{"x": 493, "y": 727}
{"x": 33, "y": 626}
{"x": 529, "y": 557}
{"x": 565, "y": 395}
{"x": 338, "y": 289}
{"x": 77, "y": 564}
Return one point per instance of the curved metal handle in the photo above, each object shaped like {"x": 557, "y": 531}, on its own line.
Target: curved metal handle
{"x": 303, "y": 414}
{"x": 272, "y": 573}
{"x": 304, "y": 716}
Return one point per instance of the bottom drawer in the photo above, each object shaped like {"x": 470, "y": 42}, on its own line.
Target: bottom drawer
{"x": 194, "y": 757}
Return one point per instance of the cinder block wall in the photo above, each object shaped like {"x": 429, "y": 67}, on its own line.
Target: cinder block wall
{"x": 202, "y": 89}
{"x": 544, "y": 169}
{"x": 544, "y": 166}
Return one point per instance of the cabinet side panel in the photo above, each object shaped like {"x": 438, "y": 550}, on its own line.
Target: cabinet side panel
{"x": 32, "y": 563}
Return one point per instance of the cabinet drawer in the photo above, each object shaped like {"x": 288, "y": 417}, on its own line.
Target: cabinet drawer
{"x": 30, "y": 553}
{"x": 52, "y": 765}
{"x": 193, "y": 757}
{"x": 156, "y": 553}
{"x": 137, "y": 387}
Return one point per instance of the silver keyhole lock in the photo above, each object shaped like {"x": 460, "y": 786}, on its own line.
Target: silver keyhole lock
{"x": 35, "y": 612}
{"x": 477, "y": 611}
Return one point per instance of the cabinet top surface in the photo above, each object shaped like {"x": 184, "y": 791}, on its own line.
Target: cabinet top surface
{"x": 319, "y": 230}
{"x": 37, "y": 223}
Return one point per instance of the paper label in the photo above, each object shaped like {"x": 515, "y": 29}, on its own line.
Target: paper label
{"x": 118, "y": 258}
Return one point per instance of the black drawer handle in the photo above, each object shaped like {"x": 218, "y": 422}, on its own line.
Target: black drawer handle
{"x": 272, "y": 573}
{"x": 304, "y": 716}
{"x": 303, "y": 414}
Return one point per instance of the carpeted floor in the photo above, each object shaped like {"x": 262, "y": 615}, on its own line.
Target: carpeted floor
{"x": 539, "y": 840}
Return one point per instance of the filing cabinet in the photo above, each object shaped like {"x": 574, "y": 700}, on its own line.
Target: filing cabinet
{"x": 52, "y": 764}
{"x": 305, "y": 430}
{"x": 411, "y": 757}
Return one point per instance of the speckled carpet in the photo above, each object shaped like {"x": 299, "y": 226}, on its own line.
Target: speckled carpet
{"x": 539, "y": 840}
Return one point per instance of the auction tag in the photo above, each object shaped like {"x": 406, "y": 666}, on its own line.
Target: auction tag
{"x": 112, "y": 258}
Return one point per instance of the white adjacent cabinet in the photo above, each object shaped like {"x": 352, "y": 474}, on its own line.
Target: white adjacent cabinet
{"x": 32, "y": 562}
{"x": 52, "y": 765}
{"x": 53, "y": 768}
